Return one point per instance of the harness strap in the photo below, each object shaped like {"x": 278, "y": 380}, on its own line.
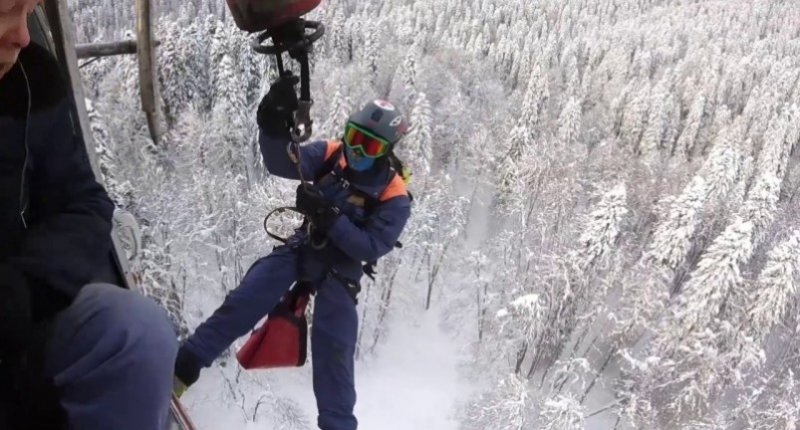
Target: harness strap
{"x": 352, "y": 287}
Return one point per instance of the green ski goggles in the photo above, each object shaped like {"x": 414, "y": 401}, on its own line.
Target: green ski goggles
{"x": 364, "y": 142}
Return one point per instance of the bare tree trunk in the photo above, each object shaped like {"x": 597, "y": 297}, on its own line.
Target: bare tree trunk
{"x": 521, "y": 357}
{"x": 479, "y": 307}
{"x": 433, "y": 273}
{"x": 426, "y": 258}
{"x": 599, "y": 373}
{"x": 386, "y": 299}
{"x": 258, "y": 404}
{"x": 482, "y": 308}
{"x": 616, "y": 423}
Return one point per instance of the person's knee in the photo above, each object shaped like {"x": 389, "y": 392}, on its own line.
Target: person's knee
{"x": 111, "y": 356}
{"x": 127, "y": 315}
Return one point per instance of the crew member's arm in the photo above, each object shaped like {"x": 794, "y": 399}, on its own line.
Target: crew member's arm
{"x": 278, "y": 160}
{"x": 378, "y": 236}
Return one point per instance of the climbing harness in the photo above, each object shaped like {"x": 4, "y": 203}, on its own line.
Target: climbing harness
{"x": 291, "y": 38}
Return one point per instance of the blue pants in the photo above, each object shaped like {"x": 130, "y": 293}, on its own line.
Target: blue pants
{"x": 111, "y": 357}
{"x": 333, "y": 333}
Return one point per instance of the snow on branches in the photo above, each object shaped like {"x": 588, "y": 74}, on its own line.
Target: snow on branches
{"x": 564, "y": 412}
{"x": 418, "y": 144}
{"x": 776, "y": 286}
{"x": 717, "y": 274}
{"x": 603, "y": 227}
{"x": 504, "y": 408}
{"x": 672, "y": 238}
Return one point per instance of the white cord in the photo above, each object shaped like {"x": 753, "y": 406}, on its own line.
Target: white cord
{"x": 23, "y": 204}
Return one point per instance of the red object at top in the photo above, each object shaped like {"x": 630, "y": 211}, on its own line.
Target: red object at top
{"x": 258, "y": 15}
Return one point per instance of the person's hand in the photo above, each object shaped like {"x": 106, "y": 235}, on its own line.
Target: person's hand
{"x": 316, "y": 207}
{"x": 16, "y": 324}
{"x": 187, "y": 371}
{"x": 178, "y": 387}
{"x": 276, "y": 110}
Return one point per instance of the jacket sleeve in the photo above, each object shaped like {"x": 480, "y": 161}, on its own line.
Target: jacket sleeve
{"x": 68, "y": 241}
{"x": 378, "y": 236}
{"x": 275, "y": 151}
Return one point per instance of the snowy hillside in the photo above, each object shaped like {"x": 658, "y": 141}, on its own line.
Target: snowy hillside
{"x": 604, "y": 232}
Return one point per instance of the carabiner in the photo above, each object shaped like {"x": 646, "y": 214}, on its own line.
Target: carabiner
{"x": 302, "y": 121}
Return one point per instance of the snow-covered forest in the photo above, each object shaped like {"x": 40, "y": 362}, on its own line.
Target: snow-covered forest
{"x": 604, "y": 231}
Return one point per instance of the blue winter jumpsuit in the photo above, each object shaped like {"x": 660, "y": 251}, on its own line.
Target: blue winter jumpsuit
{"x": 355, "y": 236}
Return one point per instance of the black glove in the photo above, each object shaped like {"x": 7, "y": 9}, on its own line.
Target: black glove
{"x": 187, "y": 371}
{"x": 313, "y": 204}
{"x": 276, "y": 109}
{"x": 16, "y": 325}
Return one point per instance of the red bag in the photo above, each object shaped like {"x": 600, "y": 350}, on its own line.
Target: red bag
{"x": 282, "y": 341}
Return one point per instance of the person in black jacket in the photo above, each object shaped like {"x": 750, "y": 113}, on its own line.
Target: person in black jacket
{"x": 89, "y": 355}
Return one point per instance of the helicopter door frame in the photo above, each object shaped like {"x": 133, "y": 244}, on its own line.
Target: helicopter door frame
{"x": 61, "y": 36}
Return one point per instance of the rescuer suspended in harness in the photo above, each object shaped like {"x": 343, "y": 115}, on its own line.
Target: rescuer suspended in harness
{"x": 356, "y": 206}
